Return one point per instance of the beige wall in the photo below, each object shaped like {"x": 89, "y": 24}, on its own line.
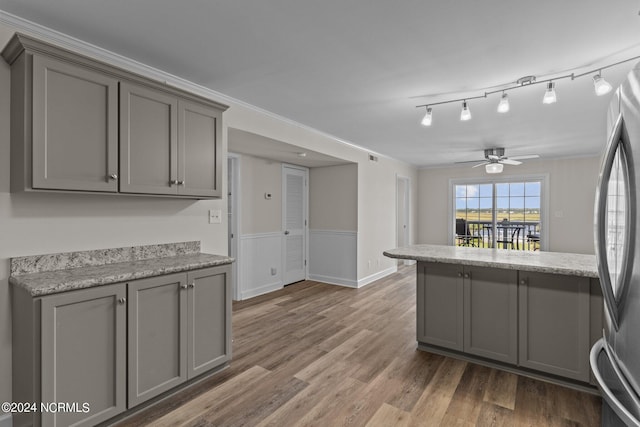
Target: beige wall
{"x": 333, "y": 198}
{"x": 571, "y": 185}
{"x": 257, "y": 177}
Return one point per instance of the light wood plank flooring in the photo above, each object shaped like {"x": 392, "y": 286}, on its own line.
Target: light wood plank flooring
{"x": 319, "y": 355}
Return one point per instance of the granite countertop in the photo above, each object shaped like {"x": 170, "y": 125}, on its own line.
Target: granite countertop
{"x": 48, "y": 274}
{"x": 544, "y": 262}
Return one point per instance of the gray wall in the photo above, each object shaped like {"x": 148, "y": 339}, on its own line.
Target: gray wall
{"x": 333, "y": 198}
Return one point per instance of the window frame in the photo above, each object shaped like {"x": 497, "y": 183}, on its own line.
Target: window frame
{"x": 544, "y": 201}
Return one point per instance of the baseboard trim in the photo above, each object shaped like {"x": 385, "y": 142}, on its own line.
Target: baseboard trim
{"x": 261, "y": 290}
{"x": 6, "y": 420}
{"x": 376, "y": 276}
{"x": 339, "y": 281}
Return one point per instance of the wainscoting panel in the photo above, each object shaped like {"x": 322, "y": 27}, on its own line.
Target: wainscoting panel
{"x": 333, "y": 257}
{"x": 260, "y": 256}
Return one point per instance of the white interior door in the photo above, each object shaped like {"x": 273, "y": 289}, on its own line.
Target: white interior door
{"x": 294, "y": 222}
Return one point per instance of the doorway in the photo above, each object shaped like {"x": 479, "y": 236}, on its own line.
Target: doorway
{"x": 233, "y": 208}
{"x": 403, "y": 232}
{"x": 295, "y": 207}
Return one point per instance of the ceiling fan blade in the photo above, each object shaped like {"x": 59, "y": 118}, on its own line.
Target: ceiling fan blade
{"x": 510, "y": 162}
{"x": 471, "y": 161}
{"x": 480, "y": 164}
{"x": 526, "y": 156}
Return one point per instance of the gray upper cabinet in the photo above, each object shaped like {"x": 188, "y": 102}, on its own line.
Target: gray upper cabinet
{"x": 148, "y": 140}
{"x": 83, "y": 354}
{"x": 78, "y": 124}
{"x": 555, "y": 324}
{"x": 199, "y": 126}
{"x": 440, "y": 305}
{"x": 491, "y": 313}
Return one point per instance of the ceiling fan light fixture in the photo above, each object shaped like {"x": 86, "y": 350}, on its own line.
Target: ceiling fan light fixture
{"x": 503, "y": 105}
{"x": 465, "y": 114}
{"x": 428, "y": 118}
{"x": 550, "y": 94}
{"x": 601, "y": 86}
{"x": 494, "y": 167}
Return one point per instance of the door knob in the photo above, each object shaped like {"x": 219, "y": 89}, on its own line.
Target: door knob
{"x": 286, "y": 232}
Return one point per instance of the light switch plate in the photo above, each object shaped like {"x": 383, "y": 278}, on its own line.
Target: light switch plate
{"x": 215, "y": 216}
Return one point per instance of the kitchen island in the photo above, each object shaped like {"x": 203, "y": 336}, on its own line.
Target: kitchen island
{"x": 533, "y": 313}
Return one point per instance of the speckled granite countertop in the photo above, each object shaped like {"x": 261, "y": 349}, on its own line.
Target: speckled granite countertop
{"x": 544, "y": 262}
{"x": 53, "y": 273}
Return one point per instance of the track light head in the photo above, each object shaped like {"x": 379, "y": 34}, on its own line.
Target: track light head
{"x": 465, "y": 114}
{"x": 550, "y": 94}
{"x": 601, "y": 86}
{"x": 426, "y": 120}
{"x": 503, "y": 106}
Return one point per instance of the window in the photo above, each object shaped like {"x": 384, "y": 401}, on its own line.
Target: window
{"x": 500, "y": 214}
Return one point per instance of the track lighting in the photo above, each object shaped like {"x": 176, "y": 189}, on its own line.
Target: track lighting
{"x": 426, "y": 120}
{"x": 493, "y": 167}
{"x": 503, "y": 106}
{"x": 465, "y": 114}
{"x": 550, "y": 94}
{"x": 601, "y": 86}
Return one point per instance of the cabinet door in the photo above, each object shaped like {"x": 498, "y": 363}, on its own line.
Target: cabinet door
{"x": 75, "y": 127}
{"x": 491, "y": 313}
{"x": 209, "y": 319}
{"x": 554, "y": 324}
{"x": 199, "y": 159}
{"x": 157, "y": 316}
{"x": 84, "y": 354}
{"x": 148, "y": 140}
{"x": 440, "y": 305}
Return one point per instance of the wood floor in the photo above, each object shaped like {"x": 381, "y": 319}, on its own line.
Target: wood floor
{"x": 319, "y": 355}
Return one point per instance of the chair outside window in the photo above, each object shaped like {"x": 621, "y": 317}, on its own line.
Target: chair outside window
{"x": 463, "y": 236}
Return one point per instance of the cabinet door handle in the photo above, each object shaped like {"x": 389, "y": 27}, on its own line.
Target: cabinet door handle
{"x": 192, "y": 285}
{"x": 180, "y": 182}
{"x": 523, "y": 282}
{"x": 113, "y": 176}
{"x": 122, "y": 300}
{"x": 467, "y": 275}
{"x": 459, "y": 274}
{"x": 183, "y": 286}
{"x": 173, "y": 182}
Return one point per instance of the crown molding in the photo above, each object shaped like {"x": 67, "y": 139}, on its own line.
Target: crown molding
{"x": 95, "y": 52}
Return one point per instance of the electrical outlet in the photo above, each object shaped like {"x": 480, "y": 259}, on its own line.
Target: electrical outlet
{"x": 215, "y": 216}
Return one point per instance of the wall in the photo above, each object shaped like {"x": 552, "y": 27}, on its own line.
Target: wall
{"x": 572, "y": 184}
{"x": 44, "y": 223}
{"x": 333, "y": 224}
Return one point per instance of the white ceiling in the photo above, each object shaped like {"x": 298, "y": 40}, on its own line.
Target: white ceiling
{"x": 356, "y": 69}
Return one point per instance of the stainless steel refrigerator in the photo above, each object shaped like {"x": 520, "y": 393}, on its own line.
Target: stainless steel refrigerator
{"x": 615, "y": 358}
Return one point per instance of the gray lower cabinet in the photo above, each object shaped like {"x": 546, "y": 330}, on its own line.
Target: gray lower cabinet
{"x": 491, "y": 313}
{"x": 555, "y": 324}
{"x": 157, "y": 335}
{"x": 440, "y": 305}
{"x": 470, "y": 309}
{"x": 116, "y": 346}
{"x": 179, "y": 327}
{"x": 538, "y": 321}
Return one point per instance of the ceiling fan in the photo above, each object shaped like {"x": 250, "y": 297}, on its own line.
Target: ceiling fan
{"x": 494, "y": 159}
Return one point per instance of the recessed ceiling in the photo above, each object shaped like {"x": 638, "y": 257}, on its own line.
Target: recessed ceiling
{"x": 357, "y": 69}
{"x": 243, "y": 142}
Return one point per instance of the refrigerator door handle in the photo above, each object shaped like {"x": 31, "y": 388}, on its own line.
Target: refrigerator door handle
{"x": 607, "y": 394}
{"x": 600, "y": 230}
